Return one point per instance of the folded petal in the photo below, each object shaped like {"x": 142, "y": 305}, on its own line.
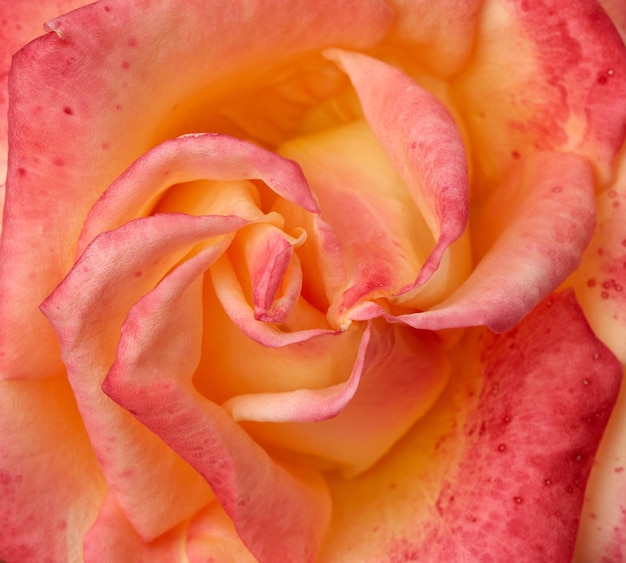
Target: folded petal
{"x": 402, "y": 372}
{"x": 541, "y": 220}
{"x": 70, "y": 141}
{"x": 187, "y": 159}
{"x": 50, "y": 484}
{"x": 422, "y": 142}
{"x": 567, "y": 91}
{"x": 148, "y": 374}
{"x": 87, "y": 311}
{"x": 600, "y": 282}
{"x": 496, "y": 470}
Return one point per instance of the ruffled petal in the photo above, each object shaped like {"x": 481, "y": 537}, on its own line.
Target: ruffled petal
{"x": 568, "y": 91}
{"x": 541, "y": 220}
{"x": 149, "y": 381}
{"x": 496, "y": 470}
{"x": 69, "y": 142}
{"x": 87, "y": 311}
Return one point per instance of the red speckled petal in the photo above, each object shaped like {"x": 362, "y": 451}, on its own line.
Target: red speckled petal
{"x": 616, "y": 9}
{"x": 496, "y": 471}
{"x": 403, "y": 373}
{"x": 50, "y": 483}
{"x": 422, "y": 142}
{"x": 567, "y": 90}
{"x": 600, "y": 282}
{"x": 189, "y": 158}
{"x": 21, "y": 22}
{"x": 74, "y": 93}
{"x": 440, "y": 37}
{"x": 541, "y": 220}
{"x": 602, "y": 533}
{"x": 264, "y": 504}
{"x": 87, "y": 311}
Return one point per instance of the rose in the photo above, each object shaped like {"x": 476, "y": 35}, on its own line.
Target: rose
{"x": 511, "y": 414}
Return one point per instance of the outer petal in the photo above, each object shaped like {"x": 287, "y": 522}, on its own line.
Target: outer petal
{"x": 542, "y": 219}
{"x": 98, "y": 67}
{"x": 600, "y": 282}
{"x": 87, "y": 311}
{"x": 46, "y": 463}
{"x": 567, "y": 90}
{"x": 617, "y": 12}
{"x": 497, "y": 469}
{"x": 149, "y": 381}
{"x": 440, "y": 36}
{"x": 20, "y": 22}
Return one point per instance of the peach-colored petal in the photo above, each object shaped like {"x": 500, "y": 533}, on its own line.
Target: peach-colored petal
{"x": 541, "y": 220}
{"x": 439, "y": 36}
{"x": 149, "y": 381}
{"x": 547, "y": 75}
{"x": 496, "y": 470}
{"x": 50, "y": 483}
{"x": 422, "y": 142}
{"x": 600, "y": 282}
{"x": 74, "y": 93}
{"x": 403, "y": 373}
{"x": 87, "y": 311}
{"x": 189, "y": 158}
{"x": 241, "y": 312}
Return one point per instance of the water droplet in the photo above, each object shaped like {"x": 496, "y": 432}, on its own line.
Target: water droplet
{"x": 494, "y": 389}
{"x": 610, "y": 72}
{"x": 596, "y": 356}
{"x": 548, "y": 482}
{"x": 604, "y": 295}
{"x": 585, "y": 382}
{"x": 556, "y": 189}
{"x": 606, "y": 285}
{"x": 591, "y": 282}
{"x": 501, "y": 447}
{"x": 518, "y": 500}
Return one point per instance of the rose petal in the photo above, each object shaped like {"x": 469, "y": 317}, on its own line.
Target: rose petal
{"x": 103, "y": 62}
{"x": 600, "y": 282}
{"x": 496, "y": 470}
{"x": 149, "y": 381}
{"x": 189, "y": 158}
{"x": 403, "y": 373}
{"x": 46, "y": 464}
{"x": 542, "y": 219}
{"x": 87, "y": 311}
{"x": 567, "y": 91}
{"x": 439, "y": 37}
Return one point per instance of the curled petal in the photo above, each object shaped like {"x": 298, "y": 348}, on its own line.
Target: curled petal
{"x": 422, "y": 142}
{"x": 264, "y": 504}
{"x": 105, "y": 60}
{"x": 497, "y": 468}
{"x": 542, "y": 219}
{"x": 87, "y": 311}
{"x": 189, "y": 158}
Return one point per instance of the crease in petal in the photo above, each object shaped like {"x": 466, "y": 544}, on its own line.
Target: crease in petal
{"x": 541, "y": 220}
{"x": 267, "y": 503}
{"x": 302, "y": 405}
{"x": 190, "y": 158}
{"x": 423, "y": 143}
{"x": 87, "y": 310}
{"x": 496, "y": 470}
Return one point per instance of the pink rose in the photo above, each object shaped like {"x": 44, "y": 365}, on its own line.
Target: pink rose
{"x": 300, "y": 281}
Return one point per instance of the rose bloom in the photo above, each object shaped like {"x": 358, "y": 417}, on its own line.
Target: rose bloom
{"x": 306, "y": 280}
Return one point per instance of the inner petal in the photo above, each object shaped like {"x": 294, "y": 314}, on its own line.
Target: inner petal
{"x": 384, "y": 238}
